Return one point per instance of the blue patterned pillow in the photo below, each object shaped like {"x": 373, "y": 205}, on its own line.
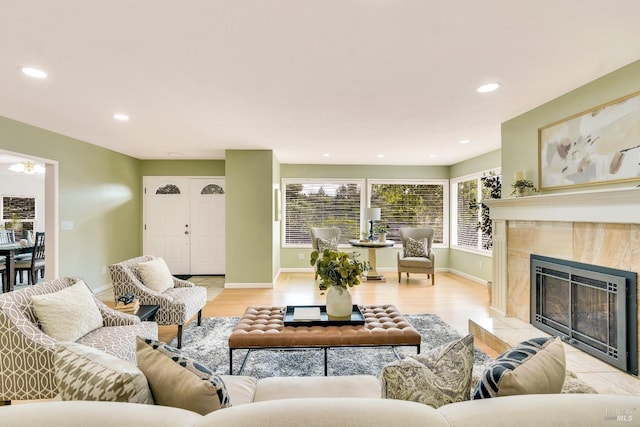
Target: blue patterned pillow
{"x": 536, "y": 366}
{"x": 178, "y": 381}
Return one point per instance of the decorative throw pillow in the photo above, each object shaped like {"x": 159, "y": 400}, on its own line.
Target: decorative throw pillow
{"x": 536, "y": 366}
{"x": 415, "y": 248}
{"x": 86, "y": 373}
{"x": 155, "y": 275}
{"x": 179, "y": 381}
{"x": 439, "y": 377}
{"x": 68, "y": 314}
{"x": 323, "y": 244}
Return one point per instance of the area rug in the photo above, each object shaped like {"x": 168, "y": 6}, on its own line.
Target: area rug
{"x": 208, "y": 345}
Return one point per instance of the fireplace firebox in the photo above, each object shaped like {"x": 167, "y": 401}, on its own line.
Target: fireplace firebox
{"x": 591, "y": 307}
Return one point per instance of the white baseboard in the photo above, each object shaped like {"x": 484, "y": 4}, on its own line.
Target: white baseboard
{"x": 248, "y": 285}
{"x": 106, "y": 287}
{"x": 466, "y": 276}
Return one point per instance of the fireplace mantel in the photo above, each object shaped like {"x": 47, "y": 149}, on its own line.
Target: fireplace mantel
{"x": 609, "y": 206}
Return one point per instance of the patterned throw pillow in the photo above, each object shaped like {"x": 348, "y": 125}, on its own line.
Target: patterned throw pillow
{"x": 179, "y": 381}
{"x": 415, "y": 248}
{"x": 332, "y": 244}
{"x": 86, "y": 373}
{"x": 439, "y": 377}
{"x": 536, "y": 366}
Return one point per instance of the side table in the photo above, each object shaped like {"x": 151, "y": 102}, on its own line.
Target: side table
{"x": 372, "y": 273}
{"x": 147, "y": 312}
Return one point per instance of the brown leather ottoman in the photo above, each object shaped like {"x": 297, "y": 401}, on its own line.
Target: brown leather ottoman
{"x": 263, "y": 328}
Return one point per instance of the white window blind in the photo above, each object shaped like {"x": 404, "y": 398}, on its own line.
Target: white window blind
{"x": 467, "y": 218}
{"x": 324, "y": 203}
{"x": 410, "y": 204}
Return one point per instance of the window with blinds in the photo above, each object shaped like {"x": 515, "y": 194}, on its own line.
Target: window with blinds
{"x": 411, "y": 204}
{"x": 322, "y": 203}
{"x": 467, "y": 212}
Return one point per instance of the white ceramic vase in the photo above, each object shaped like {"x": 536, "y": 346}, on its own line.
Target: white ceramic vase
{"x": 339, "y": 303}
{"x": 382, "y": 237}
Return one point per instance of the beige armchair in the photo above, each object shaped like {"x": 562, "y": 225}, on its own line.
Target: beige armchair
{"x": 177, "y": 304}
{"x": 329, "y": 234}
{"x": 27, "y": 353}
{"x": 411, "y": 259}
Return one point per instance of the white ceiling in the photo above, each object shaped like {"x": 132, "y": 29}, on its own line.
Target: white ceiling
{"x": 353, "y": 78}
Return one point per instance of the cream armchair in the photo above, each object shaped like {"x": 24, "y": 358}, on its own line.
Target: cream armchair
{"x": 27, "y": 353}
{"x": 177, "y": 304}
{"x": 328, "y": 234}
{"x": 410, "y": 258}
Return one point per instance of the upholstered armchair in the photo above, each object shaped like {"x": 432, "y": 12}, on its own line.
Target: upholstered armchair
{"x": 323, "y": 238}
{"x": 178, "y": 303}
{"x": 27, "y": 352}
{"x": 416, "y": 255}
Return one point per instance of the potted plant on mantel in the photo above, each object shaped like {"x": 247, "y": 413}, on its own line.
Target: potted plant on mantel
{"x": 522, "y": 187}
{"x": 338, "y": 272}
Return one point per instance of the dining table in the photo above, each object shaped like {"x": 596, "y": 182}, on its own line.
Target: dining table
{"x": 9, "y": 251}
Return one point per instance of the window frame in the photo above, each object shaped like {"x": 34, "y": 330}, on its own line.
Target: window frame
{"x": 283, "y": 195}
{"x": 454, "y": 211}
{"x": 416, "y": 181}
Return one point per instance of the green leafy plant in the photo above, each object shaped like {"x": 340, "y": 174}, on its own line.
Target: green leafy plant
{"x": 337, "y": 268}
{"x": 522, "y": 185}
{"x": 381, "y": 228}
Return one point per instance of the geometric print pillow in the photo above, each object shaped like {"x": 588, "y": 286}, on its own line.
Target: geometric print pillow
{"x": 178, "y": 381}
{"x": 323, "y": 244}
{"x": 439, "y": 377}
{"x": 86, "y": 373}
{"x": 536, "y": 366}
{"x": 415, "y": 248}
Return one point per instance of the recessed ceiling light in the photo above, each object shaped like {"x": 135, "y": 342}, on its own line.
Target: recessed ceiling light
{"x": 464, "y": 141}
{"x": 326, "y": 155}
{"x": 433, "y": 156}
{"x": 380, "y": 156}
{"x": 121, "y": 117}
{"x": 489, "y": 87}
{"x": 33, "y": 72}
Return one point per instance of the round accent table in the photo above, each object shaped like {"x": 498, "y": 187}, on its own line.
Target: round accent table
{"x": 372, "y": 273}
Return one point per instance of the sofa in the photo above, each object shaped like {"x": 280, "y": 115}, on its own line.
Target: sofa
{"x": 27, "y": 351}
{"x": 585, "y": 410}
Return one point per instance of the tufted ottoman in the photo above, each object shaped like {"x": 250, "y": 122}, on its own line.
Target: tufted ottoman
{"x": 263, "y": 328}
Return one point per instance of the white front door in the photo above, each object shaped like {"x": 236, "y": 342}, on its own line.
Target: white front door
{"x": 166, "y": 221}
{"x": 207, "y": 226}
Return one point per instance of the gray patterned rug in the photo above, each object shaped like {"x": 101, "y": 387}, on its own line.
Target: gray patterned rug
{"x": 208, "y": 345}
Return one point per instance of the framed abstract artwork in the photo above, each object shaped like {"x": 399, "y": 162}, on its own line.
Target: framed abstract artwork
{"x": 601, "y": 145}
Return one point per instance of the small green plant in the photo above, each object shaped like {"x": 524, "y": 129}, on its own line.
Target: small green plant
{"x": 337, "y": 268}
{"x": 522, "y": 185}
{"x": 381, "y": 228}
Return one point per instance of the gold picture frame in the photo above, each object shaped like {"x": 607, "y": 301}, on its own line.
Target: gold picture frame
{"x": 600, "y": 145}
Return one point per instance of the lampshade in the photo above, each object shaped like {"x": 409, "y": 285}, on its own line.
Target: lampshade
{"x": 372, "y": 214}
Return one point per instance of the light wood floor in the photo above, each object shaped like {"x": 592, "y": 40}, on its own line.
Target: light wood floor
{"x": 453, "y": 298}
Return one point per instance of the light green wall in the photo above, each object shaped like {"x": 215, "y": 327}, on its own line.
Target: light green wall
{"x": 99, "y": 192}
{"x": 182, "y": 167}
{"x": 520, "y": 134}
{"x": 386, "y": 259}
{"x": 473, "y": 264}
{"x": 249, "y": 216}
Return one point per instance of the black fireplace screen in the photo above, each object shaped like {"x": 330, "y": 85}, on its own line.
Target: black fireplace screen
{"x": 591, "y": 307}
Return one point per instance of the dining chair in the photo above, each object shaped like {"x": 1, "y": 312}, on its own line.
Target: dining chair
{"x": 35, "y": 264}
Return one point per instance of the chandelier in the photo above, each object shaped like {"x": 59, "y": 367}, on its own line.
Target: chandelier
{"x": 27, "y": 167}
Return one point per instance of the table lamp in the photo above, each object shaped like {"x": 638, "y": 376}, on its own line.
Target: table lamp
{"x": 373, "y": 214}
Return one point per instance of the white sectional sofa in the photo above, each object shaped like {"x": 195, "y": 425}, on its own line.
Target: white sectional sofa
{"x": 585, "y": 410}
